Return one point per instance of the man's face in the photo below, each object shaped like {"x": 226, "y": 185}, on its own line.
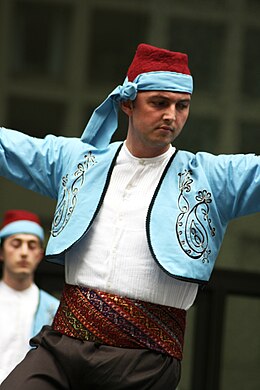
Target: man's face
{"x": 21, "y": 254}
{"x": 156, "y": 118}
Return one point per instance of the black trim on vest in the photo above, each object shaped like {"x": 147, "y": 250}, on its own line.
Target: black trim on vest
{"x": 147, "y": 226}
{"x": 49, "y": 257}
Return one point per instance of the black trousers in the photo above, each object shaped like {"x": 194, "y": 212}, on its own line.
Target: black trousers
{"x": 60, "y": 362}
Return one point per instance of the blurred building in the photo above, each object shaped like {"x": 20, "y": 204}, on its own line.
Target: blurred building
{"x": 60, "y": 58}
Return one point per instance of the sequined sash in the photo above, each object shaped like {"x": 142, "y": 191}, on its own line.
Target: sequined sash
{"x": 110, "y": 319}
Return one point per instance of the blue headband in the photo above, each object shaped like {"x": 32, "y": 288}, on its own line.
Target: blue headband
{"x": 104, "y": 120}
{"x": 22, "y": 227}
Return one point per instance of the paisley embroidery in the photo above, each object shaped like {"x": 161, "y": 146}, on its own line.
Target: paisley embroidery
{"x": 68, "y": 201}
{"x": 193, "y": 224}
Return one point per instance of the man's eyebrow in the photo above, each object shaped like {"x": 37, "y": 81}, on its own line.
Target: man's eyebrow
{"x": 185, "y": 100}
{"x": 28, "y": 241}
{"x": 161, "y": 95}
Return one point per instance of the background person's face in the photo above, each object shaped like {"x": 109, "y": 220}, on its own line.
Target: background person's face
{"x": 21, "y": 254}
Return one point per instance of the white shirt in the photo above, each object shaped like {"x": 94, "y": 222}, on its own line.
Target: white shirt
{"x": 17, "y": 309}
{"x": 114, "y": 256}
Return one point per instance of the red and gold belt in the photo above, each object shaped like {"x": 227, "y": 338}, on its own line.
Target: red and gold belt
{"x": 93, "y": 315}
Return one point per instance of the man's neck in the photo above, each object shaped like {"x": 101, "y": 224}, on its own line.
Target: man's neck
{"x": 142, "y": 152}
{"x": 18, "y": 284}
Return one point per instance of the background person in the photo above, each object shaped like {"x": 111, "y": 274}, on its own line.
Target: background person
{"x": 24, "y": 307}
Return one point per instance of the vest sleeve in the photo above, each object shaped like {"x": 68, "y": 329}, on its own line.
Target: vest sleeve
{"x": 33, "y": 163}
{"x": 236, "y": 182}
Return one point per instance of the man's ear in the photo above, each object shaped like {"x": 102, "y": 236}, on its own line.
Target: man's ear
{"x": 127, "y": 107}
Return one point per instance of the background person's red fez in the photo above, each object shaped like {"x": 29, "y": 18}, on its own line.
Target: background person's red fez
{"x": 21, "y": 221}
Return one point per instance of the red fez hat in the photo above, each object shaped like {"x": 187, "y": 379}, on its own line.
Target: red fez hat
{"x": 151, "y": 59}
{"x": 19, "y": 215}
{"x": 21, "y": 221}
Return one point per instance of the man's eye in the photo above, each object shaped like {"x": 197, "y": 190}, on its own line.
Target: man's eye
{"x": 15, "y": 244}
{"x": 159, "y": 103}
{"x": 182, "y": 106}
{"x": 33, "y": 246}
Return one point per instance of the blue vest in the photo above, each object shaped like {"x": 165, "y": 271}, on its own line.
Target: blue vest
{"x": 47, "y": 307}
{"x": 198, "y": 194}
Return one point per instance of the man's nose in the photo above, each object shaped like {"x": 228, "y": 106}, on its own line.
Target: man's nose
{"x": 170, "y": 114}
{"x": 24, "y": 249}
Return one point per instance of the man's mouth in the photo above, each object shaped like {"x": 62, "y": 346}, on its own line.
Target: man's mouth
{"x": 167, "y": 128}
{"x": 23, "y": 264}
